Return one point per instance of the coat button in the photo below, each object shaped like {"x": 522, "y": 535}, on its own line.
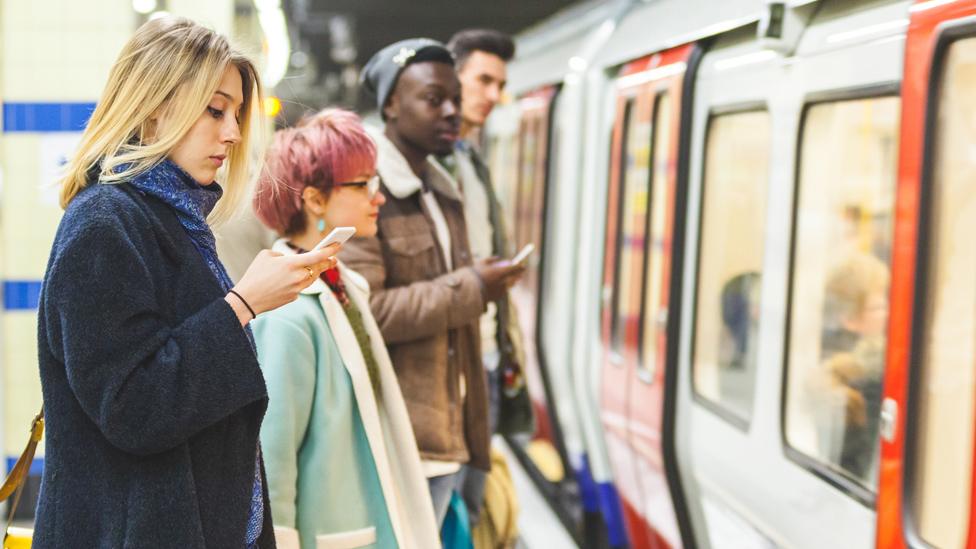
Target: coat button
{"x": 453, "y": 281}
{"x": 450, "y": 353}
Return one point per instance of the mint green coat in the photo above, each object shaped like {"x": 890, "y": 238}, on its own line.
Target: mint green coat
{"x": 343, "y": 467}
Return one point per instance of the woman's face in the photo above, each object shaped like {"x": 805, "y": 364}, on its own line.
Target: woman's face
{"x": 351, "y": 206}
{"x": 872, "y": 320}
{"x": 203, "y": 150}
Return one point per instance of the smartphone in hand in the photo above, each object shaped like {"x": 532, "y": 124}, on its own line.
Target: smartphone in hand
{"x": 336, "y": 236}
{"x": 523, "y": 255}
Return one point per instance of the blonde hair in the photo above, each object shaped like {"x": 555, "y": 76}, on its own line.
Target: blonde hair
{"x": 852, "y": 282}
{"x": 169, "y": 69}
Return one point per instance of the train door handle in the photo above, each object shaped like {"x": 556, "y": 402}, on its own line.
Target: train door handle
{"x": 889, "y": 419}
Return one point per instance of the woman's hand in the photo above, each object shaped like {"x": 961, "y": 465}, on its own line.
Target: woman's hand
{"x": 273, "y": 279}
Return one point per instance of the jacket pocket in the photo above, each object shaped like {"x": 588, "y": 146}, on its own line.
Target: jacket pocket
{"x": 414, "y": 257}
{"x": 346, "y": 540}
{"x": 436, "y": 437}
{"x": 411, "y": 244}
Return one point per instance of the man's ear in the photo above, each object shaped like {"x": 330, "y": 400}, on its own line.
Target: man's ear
{"x": 392, "y": 108}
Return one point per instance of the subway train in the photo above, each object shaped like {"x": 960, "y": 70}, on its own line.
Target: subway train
{"x": 751, "y": 317}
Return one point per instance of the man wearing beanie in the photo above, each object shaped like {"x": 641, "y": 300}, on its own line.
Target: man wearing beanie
{"x": 426, "y": 292}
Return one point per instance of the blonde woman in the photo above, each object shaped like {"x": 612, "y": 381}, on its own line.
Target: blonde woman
{"x": 343, "y": 466}
{"x": 151, "y": 384}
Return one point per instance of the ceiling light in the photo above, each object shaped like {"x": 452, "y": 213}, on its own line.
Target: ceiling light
{"x": 144, "y": 6}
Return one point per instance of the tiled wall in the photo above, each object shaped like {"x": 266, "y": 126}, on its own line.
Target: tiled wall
{"x": 54, "y": 58}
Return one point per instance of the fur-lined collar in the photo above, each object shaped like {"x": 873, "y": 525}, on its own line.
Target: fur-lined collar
{"x": 400, "y": 179}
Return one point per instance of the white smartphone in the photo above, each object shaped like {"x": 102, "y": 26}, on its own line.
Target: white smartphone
{"x": 336, "y": 236}
{"x": 523, "y": 254}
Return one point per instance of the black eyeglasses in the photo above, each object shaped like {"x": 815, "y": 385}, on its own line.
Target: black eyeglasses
{"x": 372, "y": 186}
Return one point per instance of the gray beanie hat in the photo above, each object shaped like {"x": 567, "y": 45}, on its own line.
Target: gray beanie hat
{"x": 382, "y": 71}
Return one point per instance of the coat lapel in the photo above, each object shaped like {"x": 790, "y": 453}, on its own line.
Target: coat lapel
{"x": 441, "y": 181}
{"x": 414, "y": 511}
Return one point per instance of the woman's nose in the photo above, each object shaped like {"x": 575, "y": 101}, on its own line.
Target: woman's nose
{"x": 231, "y": 133}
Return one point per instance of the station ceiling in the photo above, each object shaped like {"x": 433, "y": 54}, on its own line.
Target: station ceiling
{"x": 334, "y": 38}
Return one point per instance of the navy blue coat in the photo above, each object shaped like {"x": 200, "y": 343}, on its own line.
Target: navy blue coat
{"x": 152, "y": 393}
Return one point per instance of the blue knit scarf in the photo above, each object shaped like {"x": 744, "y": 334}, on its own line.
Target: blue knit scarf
{"x": 192, "y": 203}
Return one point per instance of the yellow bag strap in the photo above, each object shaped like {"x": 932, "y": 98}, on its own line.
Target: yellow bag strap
{"x": 15, "y": 480}
{"x": 19, "y": 472}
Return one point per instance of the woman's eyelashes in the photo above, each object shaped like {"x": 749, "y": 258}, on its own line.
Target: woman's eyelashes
{"x": 218, "y": 114}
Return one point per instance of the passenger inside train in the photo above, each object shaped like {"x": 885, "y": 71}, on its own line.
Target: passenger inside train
{"x": 852, "y": 354}
{"x": 738, "y": 343}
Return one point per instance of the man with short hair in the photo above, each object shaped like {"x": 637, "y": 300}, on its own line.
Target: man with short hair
{"x": 427, "y": 293}
{"x": 480, "y": 59}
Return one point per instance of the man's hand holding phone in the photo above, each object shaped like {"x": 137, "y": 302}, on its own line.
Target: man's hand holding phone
{"x": 498, "y": 275}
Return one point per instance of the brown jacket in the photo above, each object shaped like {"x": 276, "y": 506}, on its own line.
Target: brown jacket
{"x": 427, "y": 315}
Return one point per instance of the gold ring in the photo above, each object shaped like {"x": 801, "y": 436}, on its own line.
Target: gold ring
{"x": 311, "y": 273}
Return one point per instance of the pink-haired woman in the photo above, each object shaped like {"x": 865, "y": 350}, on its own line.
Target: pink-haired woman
{"x": 342, "y": 463}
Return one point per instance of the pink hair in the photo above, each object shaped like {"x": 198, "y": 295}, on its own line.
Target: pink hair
{"x": 329, "y": 147}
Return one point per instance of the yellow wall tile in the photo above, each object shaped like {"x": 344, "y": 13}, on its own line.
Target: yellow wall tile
{"x": 20, "y": 378}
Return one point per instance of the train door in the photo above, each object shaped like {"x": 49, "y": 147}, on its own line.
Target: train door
{"x": 528, "y": 203}
{"x": 730, "y": 171}
{"x": 793, "y": 178}
{"x": 524, "y": 195}
{"x": 636, "y": 289}
{"x": 555, "y": 455}
{"x": 557, "y": 300}
{"x": 926, "y": 484}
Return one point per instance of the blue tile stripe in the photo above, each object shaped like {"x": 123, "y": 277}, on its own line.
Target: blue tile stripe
{"x": 36, "y": 468}
{"x": 46, "y": 117}
{"x": 613, "y": 514}
{"x": 21, "y": 295}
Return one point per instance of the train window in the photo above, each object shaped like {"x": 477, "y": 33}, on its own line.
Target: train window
{"x": 635, "y": 179}
{"x": 839, "y": 293}
{"x": 655, "y": 310}
{"x": 944, "y": 446}
{"x": 736, "y": 178}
